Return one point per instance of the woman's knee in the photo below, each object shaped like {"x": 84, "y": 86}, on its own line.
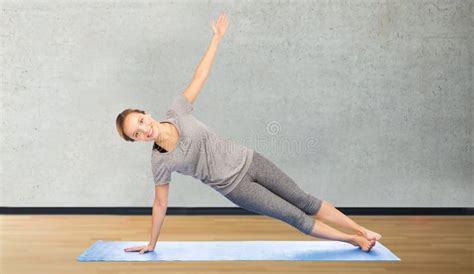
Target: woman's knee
{"x": 318, "y": 205}
{"x": 300, "y": 221}
{"x": 308, "y": 225}
{"x": 310, "y": 231}
{"x": 310, "y": 204}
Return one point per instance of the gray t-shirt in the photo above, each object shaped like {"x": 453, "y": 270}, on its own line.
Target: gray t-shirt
{"x": 216, "y": 161}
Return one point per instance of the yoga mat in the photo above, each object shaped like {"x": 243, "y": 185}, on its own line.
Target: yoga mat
{"x": 236, "y": 251}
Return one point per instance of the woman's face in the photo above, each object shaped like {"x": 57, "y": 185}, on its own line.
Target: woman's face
{"x": 140, "y": 127}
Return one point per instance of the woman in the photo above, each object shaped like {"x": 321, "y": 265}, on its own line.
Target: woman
{"x": 184, "y": 144}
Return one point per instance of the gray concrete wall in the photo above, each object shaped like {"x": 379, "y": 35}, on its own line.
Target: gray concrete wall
{"x": 362, "y": 103}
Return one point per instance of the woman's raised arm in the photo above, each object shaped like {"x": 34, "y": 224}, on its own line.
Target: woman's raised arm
{"x": 204, "y": 66}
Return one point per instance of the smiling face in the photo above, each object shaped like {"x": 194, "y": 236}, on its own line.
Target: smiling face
{"x": 140, "y": 127}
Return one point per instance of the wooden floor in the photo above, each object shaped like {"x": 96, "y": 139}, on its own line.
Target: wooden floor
{"x": 51, "y": 243}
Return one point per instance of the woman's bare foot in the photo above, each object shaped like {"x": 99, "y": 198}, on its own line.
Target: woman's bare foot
{"x": 369, "y": 234}
{"x": 363, "y": 243}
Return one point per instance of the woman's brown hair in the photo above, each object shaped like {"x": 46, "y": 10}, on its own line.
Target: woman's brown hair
{"x": 121, "y": 119}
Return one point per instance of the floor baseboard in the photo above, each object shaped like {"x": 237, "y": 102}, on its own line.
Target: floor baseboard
{"x": 230, "y": 210}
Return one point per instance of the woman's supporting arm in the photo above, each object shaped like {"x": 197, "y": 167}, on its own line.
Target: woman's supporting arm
{"x": 158, "y": 217}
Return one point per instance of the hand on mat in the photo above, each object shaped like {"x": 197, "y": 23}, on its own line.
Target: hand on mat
{"x": 220, "y": 28}
{"x": 142, "y": 249}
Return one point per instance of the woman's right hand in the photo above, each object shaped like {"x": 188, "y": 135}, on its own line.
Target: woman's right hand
{"x": 141, "y": 249}
{"x": 220, "y": 28}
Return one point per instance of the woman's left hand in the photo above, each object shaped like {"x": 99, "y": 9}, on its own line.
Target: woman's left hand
{"x": 220, "y": 28}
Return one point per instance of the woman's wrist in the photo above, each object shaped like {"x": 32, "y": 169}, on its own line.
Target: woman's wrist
{"x": 217, "y": 37}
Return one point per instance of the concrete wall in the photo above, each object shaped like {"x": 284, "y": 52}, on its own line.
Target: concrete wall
{"x": 362, "y": 103}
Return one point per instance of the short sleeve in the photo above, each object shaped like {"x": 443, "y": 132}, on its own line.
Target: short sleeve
{"x": 161, "y": 173}
{"x": 181, "y": 105}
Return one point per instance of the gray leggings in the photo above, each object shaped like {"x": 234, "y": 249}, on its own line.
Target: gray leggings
{"x": 267, "y": 190}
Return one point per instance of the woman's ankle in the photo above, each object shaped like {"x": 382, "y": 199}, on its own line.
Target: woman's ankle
{"x": 360, "y": 230}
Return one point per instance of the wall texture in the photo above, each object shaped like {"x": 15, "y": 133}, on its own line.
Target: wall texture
{"x": 362, "y": 103}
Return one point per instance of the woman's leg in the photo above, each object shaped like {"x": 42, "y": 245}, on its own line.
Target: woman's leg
{"x": 322, "y": 230}
{"x": 329, "y": 213}
{"x": 256, "y": 198}
{"x": 266, "y": 173}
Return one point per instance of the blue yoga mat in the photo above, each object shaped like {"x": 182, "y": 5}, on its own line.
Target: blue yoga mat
{"x": 236, "y": 251}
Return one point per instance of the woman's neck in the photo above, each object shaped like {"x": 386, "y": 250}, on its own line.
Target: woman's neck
{"x": 166, "y": 135}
